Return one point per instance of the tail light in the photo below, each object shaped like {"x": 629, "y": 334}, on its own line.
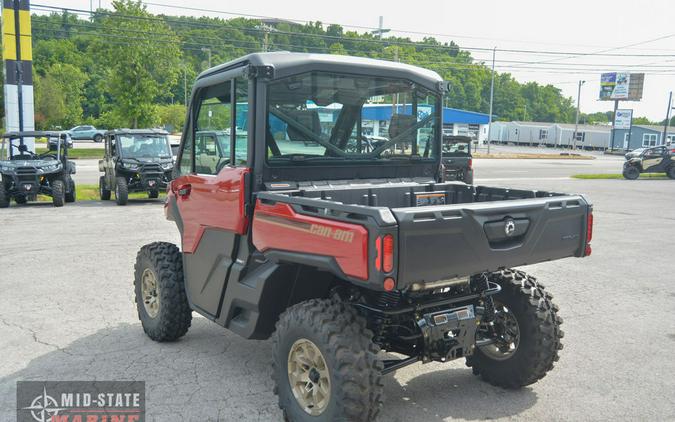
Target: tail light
{"x": 589, "y": 234}
{"x": 378, "y": 256}
{"x": 470, "y": 163}
{"x": 388, "y": 253}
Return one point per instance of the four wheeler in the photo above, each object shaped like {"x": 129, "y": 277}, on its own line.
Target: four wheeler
{"x": 456, "y": 159}
{"x": 26, "y": 174}
{"x": 338, "y": 251}
{"x": 659, "y": 159}
{"x": 135, "y": 160}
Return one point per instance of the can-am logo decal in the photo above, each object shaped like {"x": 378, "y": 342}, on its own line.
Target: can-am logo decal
{"x": 336, "y": 234}
{"x": 509, "y": 227}
{"x": 80, "y": 401}
{"x": 311, "y": 228}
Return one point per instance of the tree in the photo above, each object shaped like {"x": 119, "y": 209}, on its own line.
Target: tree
{"x": 140, "y": 59}
{"x": 59, "y": 97}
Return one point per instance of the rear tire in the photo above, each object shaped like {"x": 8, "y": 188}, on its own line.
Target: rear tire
{"x": 631, "y": 173}
{"x": 172, "y": 316}
{"x": 671, "y": 172}
{"x": 4, "y": 196}
{"x": 72, "y": 195}
{"x": 345, "y": 382}
{"x": 103, "y": 192}
{"x": 153, "y": 194}
{"x": 121, "y": 191}
{"x": 539, "y": 334}
{"x": 58, "y": 193}
{"x": 98, "y": 138}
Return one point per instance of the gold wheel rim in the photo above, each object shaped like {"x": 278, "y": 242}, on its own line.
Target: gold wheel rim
{"x": 309, "y": 377}
{"x": 150, "y": 292}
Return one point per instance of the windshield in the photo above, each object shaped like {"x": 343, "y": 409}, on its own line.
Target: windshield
{"x": 10, "y": 148}
{"x": 326, "y": 116}
{"x": 144, "y": 146}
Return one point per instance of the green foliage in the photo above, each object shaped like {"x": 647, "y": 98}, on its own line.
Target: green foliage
{"x": 171, "y": 116}
{"x": 136, "y": 64}
{"x": 58, "y": 96}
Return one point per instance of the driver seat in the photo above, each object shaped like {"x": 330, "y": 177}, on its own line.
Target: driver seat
{"x": 308, "y": 119}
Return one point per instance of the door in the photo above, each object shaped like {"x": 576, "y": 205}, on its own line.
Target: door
{"x": 652, "y": 160}
{"x": 210, "y": 193}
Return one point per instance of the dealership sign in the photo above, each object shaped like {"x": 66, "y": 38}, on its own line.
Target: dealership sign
{"x": 623, "y": 119}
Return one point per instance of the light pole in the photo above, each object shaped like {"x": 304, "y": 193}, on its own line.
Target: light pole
{"x": 207, "y": 50}
{"x": 492, "y": 94}
{"x": 576, "y": 122}
{"x": 665, "y": 126}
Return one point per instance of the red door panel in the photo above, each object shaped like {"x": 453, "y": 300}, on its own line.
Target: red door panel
{"x": 206, "y": 201}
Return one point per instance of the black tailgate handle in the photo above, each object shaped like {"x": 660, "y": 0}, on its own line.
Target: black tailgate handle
{"x": 506, "y": 233}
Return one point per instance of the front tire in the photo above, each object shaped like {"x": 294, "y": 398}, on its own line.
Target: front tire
{"x": 631, "y": 173}
{"x": 4, "y": 196}
{"x": 58, "y": 193}
{"x": 153, "y": 194}
{"x": 160, "y": 292}
{"x": 21, "y": 199}
{"x": 103, "y": 192}
{"x": 121, "y": 191}
{"x": 72, "y": 195}
{"x": 325, "y": 364}
{"x": 532, "y": 336}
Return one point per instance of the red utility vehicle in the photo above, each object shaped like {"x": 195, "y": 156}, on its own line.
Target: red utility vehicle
{"x": 304, "y": 219}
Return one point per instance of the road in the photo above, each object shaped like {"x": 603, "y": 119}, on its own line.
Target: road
{"x": 67, "y": 312}
{"x": 487, "y": 170}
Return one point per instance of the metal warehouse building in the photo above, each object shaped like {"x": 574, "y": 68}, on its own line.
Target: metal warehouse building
{"x": 559, "y": 135}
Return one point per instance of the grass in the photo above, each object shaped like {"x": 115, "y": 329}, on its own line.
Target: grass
{"x": 75, "y": 153}
{"x": 606, "y": 176}
{"x": 90, "y": 193}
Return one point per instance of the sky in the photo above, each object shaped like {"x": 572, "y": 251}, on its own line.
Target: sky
{"x": 619, "y": 27}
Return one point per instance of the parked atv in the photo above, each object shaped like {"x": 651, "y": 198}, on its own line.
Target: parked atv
{"x": 26, "y": 174}
{"x": 135, "y": 160}
{"x": 336, "y": 250}
{"x": 456, "y": 159}
{"x": 659, "y": 159}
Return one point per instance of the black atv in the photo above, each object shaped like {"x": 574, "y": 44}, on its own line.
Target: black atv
{"x": 136, "y": 160}
{"x": 456, "y": 159}
{"x": 26, "y": 174}
{"x": 659, "y": 159}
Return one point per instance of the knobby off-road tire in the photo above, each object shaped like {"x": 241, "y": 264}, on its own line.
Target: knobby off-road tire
{"x": 153, "y": 194}
{"x": 173, "y": 315}
{"x": 631, "y": 173}
{"x": 540, "y": 333}
{"x": 21, "y": 199}
{"x": 103, "y": 192}
{"x": 121, "y": 191}
{"x": 72, "y": 195}
{"x": 4, "y": 196}
{"x": 671, "y": 172}
{"x": 350, "y": 356}
{"x": 58, "y": 193}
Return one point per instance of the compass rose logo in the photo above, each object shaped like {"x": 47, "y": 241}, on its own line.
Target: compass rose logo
{"x": 43, "y": 407}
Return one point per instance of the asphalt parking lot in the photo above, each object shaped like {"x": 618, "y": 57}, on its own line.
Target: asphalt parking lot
{"x": 67, "y": 313}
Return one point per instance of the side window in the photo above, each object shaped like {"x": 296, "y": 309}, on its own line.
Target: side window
{"x": 241, "y": 144}
{"x": 213, "y": 125}
{"x": 185, "y": 164}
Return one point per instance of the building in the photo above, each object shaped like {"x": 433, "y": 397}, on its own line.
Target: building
{"x": 560, "y": 135}
{"x": 642, "y": 136}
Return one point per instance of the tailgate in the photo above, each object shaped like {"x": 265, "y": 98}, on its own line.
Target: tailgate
{"x": 445, "y": 241}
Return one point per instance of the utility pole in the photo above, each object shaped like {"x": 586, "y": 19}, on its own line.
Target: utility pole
{"x": 207, "y": 50}
{"x": 576, "y": 122}
{"x": 492, "y": 94}
{"x": 266, "y": 29}
{"x": 185, "y": 99}
{"x": 380, "y": 29}
{"x": 665, "y": 125}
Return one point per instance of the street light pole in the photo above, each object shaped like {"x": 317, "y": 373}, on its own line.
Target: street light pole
{"x": 492, "y": 93}
{"x": 576, "y": 124}
{"x": 665, "y": 125}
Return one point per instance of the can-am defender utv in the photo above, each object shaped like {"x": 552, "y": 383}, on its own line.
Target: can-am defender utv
{"x": 26, "y": 174}
{"x": 456, "y": 159}
{"x": 338, "y": 250}
{"x": 135, "y": 160}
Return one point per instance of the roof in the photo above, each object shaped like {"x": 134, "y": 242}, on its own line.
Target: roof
{"x": 137, "y": 132}
{"x": 585, "y": 128}
{"x": 656, "y": 128}
{"x": 286, "y": 64}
